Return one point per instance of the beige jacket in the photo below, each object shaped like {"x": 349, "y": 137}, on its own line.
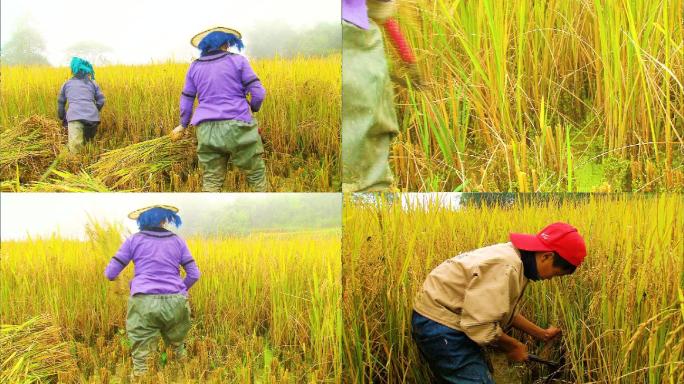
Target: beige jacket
{"x": 476, "y": 292}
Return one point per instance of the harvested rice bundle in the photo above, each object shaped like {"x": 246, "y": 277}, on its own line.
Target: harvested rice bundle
{"x": 29, "y": 146}
{"x": 146, "y": 163}
{"x": 70, "y": 182}
{"x": 33, "y": 352}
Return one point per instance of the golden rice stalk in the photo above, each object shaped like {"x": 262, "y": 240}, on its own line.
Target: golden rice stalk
{"x": 138, "y": 165}
{"x": 29, "y": 147}
{"x": 33, "y": 352}
{"x": 10, "y": 186}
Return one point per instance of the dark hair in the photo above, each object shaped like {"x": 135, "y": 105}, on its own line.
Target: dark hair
{"x": 563, "y": 264}
{"x": 558, "y": 261}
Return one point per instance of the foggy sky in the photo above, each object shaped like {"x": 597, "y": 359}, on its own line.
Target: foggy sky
{"x": 66, "y": 214}
{"x": 141, "y": 31}
{"x": 451, "y": 200}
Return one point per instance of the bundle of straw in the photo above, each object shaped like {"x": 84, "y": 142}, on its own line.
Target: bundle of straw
{"x": 139, "y": 165}
{"x": 28, "y": 148}
{"x": 70, "y": 182}
{"x": 33, "y": 352}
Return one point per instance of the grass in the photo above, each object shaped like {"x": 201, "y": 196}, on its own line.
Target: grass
{"x": 265, "y": 310}
{"x": 622, "y": 312}
{"x": 300, "y": 121}
{"x": 519, "y": 96}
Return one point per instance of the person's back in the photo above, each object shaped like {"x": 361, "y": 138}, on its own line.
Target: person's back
{"x": 471, "y": 290}
{"x": 85, "y": 100}
{"x": 221, "y": 88}
{"x": 158, "y": 304}
{"x": 228, "y": 92}
{"x": 81, "y": 94}
{"x": 157, "y": 255}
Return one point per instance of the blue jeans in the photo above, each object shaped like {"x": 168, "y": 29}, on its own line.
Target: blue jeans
{"x": 452, "y": 356}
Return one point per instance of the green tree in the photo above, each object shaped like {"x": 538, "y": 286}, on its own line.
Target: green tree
{"x": 25, "y": 47}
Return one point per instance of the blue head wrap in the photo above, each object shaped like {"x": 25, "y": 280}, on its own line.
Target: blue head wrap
{"x": 217, "y": 39}
{"x": 154, "y": 216}
{"x": 80, "y": 67}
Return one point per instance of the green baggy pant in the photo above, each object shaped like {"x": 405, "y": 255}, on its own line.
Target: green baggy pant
{"x": 239, "y": 141}
{"x": 75, "y": 136}
{"x": 370, "y": 121}
{"x": 151, "y": 316}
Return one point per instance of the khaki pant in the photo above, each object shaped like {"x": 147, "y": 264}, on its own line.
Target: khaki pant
{"x": 370, "y": 121}
{"x": 80, "y": 133}
{"x": 239, "y": 141}
{"x": 151, "y": 316}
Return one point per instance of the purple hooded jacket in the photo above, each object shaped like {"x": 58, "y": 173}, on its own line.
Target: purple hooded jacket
{"x": 85, "y": 100}
{"x": 158, "y": 255}
{"x": 221, "y": 82}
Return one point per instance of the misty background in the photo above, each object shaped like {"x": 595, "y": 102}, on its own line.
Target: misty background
{"x": 44, "y": 214}
{"x": 45, "y": 32}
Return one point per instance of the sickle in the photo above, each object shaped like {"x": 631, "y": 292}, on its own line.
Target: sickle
{"x": 554, "y": 365}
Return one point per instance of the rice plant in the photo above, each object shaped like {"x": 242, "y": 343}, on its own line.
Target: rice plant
{"x": 265, "y": 310}
{"x": 299, "y": 120}
{"x": 543, "y": 96}
{"x": 622, "y": 312}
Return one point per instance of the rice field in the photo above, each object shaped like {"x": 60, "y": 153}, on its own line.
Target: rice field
{"x": 543, "y": 96}
{"x": 299, "y": 119}
{"x": 265, "y": 310}
{"x": 622, "y": 312}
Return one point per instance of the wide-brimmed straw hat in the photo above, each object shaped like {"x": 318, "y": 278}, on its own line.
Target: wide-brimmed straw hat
{"x": 135, "y": 214}
{"x": 198, "y": 37}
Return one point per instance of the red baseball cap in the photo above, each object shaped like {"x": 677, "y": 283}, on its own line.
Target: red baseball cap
{"x": 558, "y": 237}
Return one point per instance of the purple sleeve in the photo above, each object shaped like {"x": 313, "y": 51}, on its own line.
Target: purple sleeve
{"x": 192, "y": 273}
{"x": 355, "y": 12}
{"x": 61, "y": 104}
{"x": 99, "y": 97}
{"x": 187, "y": 99}
{"x": 119, "y": 261}
{"x": 252, "y": 85}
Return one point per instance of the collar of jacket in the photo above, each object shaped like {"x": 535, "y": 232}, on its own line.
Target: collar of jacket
{"x": 214, "y": 55}
{"x": 156, "y": 232}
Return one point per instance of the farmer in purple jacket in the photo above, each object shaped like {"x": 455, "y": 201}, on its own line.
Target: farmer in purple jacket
{"x": 85, "y": 102}
{"x": 370, "y": 121}
{"x": 158, "y": 304}
{"x": 221, "y": 81}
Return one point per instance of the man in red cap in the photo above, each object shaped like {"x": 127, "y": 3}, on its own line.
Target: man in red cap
{"x": 470, "y": 301}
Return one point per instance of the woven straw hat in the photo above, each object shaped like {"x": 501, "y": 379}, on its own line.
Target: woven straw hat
{"x": 198, "y": 37}
{"x": 135, "y": 214}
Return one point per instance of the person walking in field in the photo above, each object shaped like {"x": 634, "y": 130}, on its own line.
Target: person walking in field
{"x": 370, "y": 120}
{"x": 158, "y": 303}
{"x": 85, "y": 100}
{"x": 226, "y": 129}
{"x": 470, "y": 301}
